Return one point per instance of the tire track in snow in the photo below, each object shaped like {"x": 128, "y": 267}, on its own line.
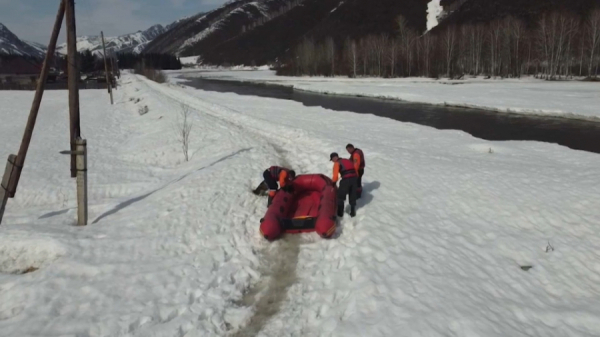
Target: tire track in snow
{"x": 278, "y": 265}
{"x": 279, "y": 262}
{"x": 279, "y": 259}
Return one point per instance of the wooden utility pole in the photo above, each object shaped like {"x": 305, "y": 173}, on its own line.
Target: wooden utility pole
{"x": 35, "y": 106}
{"x": 73, "y": 80}
{"x": 106, "y": 68}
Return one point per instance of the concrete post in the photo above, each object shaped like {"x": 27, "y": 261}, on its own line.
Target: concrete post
{"x": 81, "y": 163}
{"x": 4, "y": 192}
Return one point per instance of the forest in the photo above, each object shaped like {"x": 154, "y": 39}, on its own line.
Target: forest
{"x": 148, "y": 60}
{"x": 558, "y": 45}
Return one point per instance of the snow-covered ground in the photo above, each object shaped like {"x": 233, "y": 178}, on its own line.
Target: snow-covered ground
{"x": 434, "y": 10}
{"x": 189, "y": 60}
{"x": 572, "y": 99}
{"x": 173, "y": 247}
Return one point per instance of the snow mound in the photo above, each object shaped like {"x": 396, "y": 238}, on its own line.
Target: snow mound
{"x": 19, "y": 254}
{"x": 434, "y": 9}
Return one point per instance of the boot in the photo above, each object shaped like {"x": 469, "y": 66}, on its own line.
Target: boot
{"x": 353, "y": 211}
{"x": 340, "y": 211}
{"x": 260, "y": 188}
{"x": 269, "y": 201}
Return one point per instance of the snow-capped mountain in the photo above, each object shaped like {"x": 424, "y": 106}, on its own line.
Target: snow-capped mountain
{"x": 134, "y": 42}
{"x": 10, "y": 44}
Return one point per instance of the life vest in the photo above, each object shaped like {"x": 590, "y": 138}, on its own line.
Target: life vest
{"x": 347, "y": 169}
{"x": 362, "y": 157}
{"x": 276, "y": 171}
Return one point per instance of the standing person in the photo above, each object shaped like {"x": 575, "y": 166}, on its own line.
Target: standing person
{"x": 358, "y": 157}
{"x": 275, "y": 174}
{"x": 348, "y": 185}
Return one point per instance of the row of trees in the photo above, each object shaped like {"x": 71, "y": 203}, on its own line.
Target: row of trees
{"x": 558, "y": 45}
{"x": 151, "y": 60}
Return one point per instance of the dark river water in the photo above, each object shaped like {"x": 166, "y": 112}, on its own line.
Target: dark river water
{"x": 575, "y": 134}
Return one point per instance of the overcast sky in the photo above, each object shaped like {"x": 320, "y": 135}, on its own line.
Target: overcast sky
{"x": 33, "y": 19}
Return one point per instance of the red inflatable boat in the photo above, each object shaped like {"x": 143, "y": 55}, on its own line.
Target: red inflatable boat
{"x": 310, "y": 207}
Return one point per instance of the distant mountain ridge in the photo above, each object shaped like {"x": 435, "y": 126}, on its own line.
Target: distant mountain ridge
{"x": 260, "y": 31}
{"x": 133, "y": 42}
{"x": 10, "y": 44}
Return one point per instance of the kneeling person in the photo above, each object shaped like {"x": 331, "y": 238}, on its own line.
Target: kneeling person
{"x": 275, "y": 174}
{"x": 348, "y": 185}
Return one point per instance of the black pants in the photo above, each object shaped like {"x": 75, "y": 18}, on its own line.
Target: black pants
{"x": 348, "y": 187}
{"x": 271, "y": 183}
{"x": 359, "y": 183}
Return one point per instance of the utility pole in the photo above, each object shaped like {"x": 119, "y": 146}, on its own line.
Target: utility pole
{"x": 14, "y": 166}
{"x": 106, "y": 69}
{"x": 73, "y": 80}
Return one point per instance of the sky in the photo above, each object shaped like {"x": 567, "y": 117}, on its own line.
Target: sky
{"x": 32, "y": 20}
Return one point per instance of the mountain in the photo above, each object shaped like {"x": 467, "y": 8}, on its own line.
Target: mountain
{"x": 259, "y": 31}
{"x": 10, "y": 44}
{"x": 263, "y": 31}
{"x": 134, "y": 42}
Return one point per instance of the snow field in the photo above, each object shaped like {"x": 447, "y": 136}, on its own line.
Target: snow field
{"x": 569, "y": 99}
{"x": 442, "y": 231}
{"x": 160, "y": 255}
{"x": 174, "y": 250}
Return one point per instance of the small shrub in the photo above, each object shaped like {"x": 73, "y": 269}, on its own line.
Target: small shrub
{"x": 152, "y": 74}
{"x": 184, "y": 129}
{"x": 159, "y": 77}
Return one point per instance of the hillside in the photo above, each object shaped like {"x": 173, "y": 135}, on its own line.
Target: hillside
{"x": 10, "y": 44}
{"x": 474, "y": 11}
{"x": 202, "y": 31}
{"x": 245, "y": 31}
{"x": 263, "y": 31}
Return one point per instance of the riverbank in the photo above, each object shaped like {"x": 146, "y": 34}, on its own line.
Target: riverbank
{"x": 530, "y": 96}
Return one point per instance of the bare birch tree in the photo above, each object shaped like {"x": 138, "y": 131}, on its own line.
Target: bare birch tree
{"x": 351, "y": 55}
{"x": 330, "y": 51}
{"x": 449, "y": 46}
{"x": 392, "y": 56}
{"x": 593, "y": 38}
{"x": 184, "y": 129}
{"x": 518, "y": 30}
